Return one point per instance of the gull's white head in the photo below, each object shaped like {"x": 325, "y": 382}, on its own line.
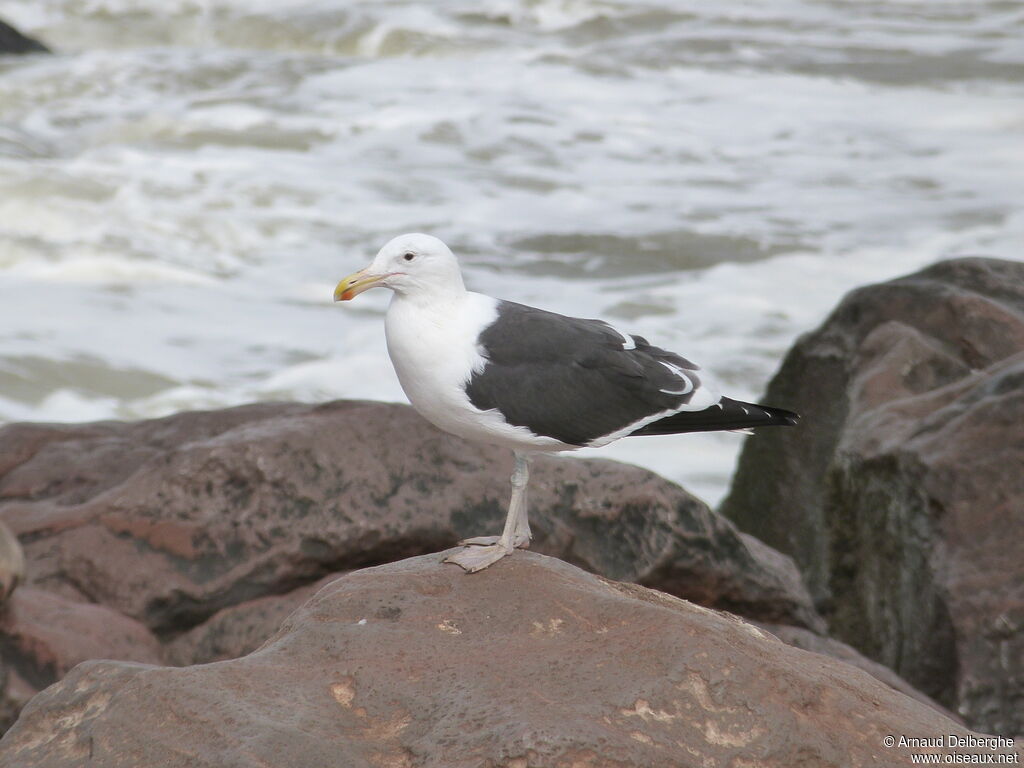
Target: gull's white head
{"x": 413, "y": 264}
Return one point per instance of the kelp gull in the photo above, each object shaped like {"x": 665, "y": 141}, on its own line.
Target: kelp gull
{"x": 532, "y": 380}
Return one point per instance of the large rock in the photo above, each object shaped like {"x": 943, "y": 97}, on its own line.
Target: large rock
{"x": 44, "y": 635}
{"x": 243, "y": 628}
{"x": 13, "y": 41}
{"x": 240, "y": 629}
{"x": 533, "y": 662}
{"x": 205, "y": 530}
{"x": 806, "y": 640}
{"x": 171, "y": 520}
{"x": 902, "y": 496}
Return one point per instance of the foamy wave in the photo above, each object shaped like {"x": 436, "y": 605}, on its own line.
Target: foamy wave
{"x": 181, "y": 186}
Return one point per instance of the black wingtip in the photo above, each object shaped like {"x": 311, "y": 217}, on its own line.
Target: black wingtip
{"x": 727, "y": 415}
{"x": 789, "y": 418}
{"x": 772, "y": 416}
{"x": 778, "y": 417}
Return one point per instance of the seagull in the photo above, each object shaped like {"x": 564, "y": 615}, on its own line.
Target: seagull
{"x": 534, "y": 381}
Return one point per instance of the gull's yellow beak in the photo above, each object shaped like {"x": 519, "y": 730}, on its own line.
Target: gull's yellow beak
{"x": 355, "y": 284}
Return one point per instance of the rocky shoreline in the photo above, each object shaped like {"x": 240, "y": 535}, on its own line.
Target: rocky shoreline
{"x": 884, "y": 533}
{"x": 905, "y": 507}
{"x": 536, "y": 663}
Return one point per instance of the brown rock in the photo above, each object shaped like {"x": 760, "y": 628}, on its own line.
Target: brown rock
{"x": 806, "y": 640}
{"x": 213, "y": 527}
{"x": 210, "y": 528}
{"x": 532, "y": 662}
{"x": 901, "y": 497}
{"x": 48, "y": 634}
{"x": 15, "y": 693}
{"x": 43, "y": 635}
{"x": 240, "y": 629}
{"x": 171, "y": 520}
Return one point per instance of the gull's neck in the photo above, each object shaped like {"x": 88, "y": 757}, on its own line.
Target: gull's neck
{"x": 431, "y": 298}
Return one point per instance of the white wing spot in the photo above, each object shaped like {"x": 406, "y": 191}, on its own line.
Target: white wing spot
{"x": 745, "y": 411}
{"x": 627, "y": 340}
{"x": 678, "y": 372}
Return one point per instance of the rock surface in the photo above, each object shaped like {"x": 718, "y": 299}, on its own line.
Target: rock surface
{"x": 205, "y": 530}
{"x": 13, "y": 41}
{"x": 171, "y": 520}
{"x": 828, "y": 646}
{"x": 532, "y": 662}
{"x": 240, "y": 629}
{"x": 44, "y": 635}
{"x": 902, "y": 497}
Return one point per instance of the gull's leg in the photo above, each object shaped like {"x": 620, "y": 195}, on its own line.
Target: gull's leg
{"x": 482, "y": 551}
{"x": 521, "y": 536}
{"x": 521, "y": 526}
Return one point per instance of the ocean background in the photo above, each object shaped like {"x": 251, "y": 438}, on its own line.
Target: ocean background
{"x": 183, "y": 183}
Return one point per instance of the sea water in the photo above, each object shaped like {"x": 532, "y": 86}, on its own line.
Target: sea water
{"x": 184, "y": 181}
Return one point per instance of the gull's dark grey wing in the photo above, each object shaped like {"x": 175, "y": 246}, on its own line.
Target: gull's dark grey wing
{"x": 572, "y": 379}
{"x": 584, "y": 382}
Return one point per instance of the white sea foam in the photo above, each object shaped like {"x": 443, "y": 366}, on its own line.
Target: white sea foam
{"x": 182, "y": 185}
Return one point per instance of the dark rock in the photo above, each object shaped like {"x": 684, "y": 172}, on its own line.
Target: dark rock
{"x": 240, "y": 629}
{"x": 901, "y": 496}
{"x": 809, "y": 641}
{"x": 15, "y": 693}
{"x": 13, "y": 41}
{"x": 172, "y": 520}
{"x": 43, "y": 635}
{"x": 211, "y": 528}
{"x": 532, "y": 662}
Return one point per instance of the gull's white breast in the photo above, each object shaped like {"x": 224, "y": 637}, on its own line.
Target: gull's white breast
{"x": 435, "y": 350}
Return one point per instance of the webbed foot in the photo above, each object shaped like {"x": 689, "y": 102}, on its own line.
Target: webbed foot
{"x": 519, "y": 541}
{"x": 476, "y": 557}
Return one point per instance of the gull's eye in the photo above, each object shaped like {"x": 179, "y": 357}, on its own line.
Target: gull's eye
{"x": 409, "y": 256}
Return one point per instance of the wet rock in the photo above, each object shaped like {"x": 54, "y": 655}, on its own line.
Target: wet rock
{"x": 901, "y": 496}
{"x": 43, "y": 635}
{"x": 171, "y": 520}
{"x": 532, "y": 663}
{"x": 827, "y": 646}
{"x": 208, "y": 529}
{"x": 15, "y": 693}
{"x": 13, "y": 41}
{"x": 240, "y": 629}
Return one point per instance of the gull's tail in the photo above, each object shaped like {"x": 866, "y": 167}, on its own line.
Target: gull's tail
{"x": 727, "y": 414}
